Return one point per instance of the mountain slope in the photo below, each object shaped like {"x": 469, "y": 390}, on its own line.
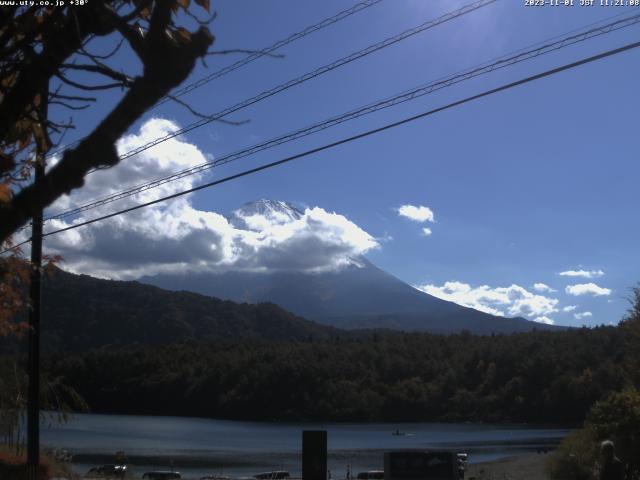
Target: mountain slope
{"x": 358, "y": 296}
{"x": 355, "y": 297}
{"x": 81, "y": 312}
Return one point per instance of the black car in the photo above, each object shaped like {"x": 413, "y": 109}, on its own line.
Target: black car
{"x": 162, "y": 475}
{"x": 107, "y": 471}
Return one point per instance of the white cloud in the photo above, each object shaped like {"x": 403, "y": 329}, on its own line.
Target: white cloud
{"x": 513, "y": 301}
{"x": 418, "y": 213}
{"x": 587, "y": 289}
{"x": 175, "y": 236}
{"x": 426, "y": 232}
{"x": 581, "y": 315}
{"x": 569, "y": 308}
{"x": 541, "y": 287}
{"x": 544, "y": 319}
{"x": 582, "y": 273}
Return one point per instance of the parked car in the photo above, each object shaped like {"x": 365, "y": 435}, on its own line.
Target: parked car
{"x": 162, "y": 475}
{"x": 107, "y": 471}
{"x": 275, "y": 475}
{"x": 371, "y": 475}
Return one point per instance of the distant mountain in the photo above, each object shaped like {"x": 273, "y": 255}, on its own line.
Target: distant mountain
{"x": 358, "y": 296}
{"x": 82, "y": 312}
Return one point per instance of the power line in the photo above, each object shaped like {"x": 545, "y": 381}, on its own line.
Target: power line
{"x": 312, "y": 74}
{"x": 315, "y": 73}
{"x": 505, "y": 61}
{"x": 324, "y": 23}
{"x": 279, "y": 44}
{"x": 352, "y": 138}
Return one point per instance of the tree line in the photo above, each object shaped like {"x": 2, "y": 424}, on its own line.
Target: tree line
{"x": 384, "y": 376}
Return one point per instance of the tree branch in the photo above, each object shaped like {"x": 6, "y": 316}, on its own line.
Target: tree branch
{"x": 60, "y": 40}
{"x": 101, "y": 69}
{"x": 90, "y": 88}
{"x": 69, "y": 106}
{"x": 94, "y": 56}
{"x": 73, "y": 98}
{"x": 242, "y": 50}
{"x": 193, "y": 111}
{"x": 98, "y": 149}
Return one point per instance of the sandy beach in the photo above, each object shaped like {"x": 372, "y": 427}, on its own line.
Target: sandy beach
{"x": 522, "y": 467}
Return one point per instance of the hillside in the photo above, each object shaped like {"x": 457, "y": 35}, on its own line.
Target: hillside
{"x": 359, "y": 296}
{"x": 81, "y": 312}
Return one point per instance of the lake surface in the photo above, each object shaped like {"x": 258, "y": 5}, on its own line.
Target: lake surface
{"x": 197, "y": 446}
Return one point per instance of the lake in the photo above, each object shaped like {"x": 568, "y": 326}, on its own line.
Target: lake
{"x": 198, "y": 446}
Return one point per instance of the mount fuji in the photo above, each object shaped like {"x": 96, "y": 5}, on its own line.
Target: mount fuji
{"x": 358, "y": 295}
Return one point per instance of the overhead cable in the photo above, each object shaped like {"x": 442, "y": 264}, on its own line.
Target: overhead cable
{"x": 352, "y": 138}
{"x": 520, "y": 56}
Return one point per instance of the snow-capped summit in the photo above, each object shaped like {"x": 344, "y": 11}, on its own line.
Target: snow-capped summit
{"x": 262, "y": 213}
{"x": 310, "y": 263}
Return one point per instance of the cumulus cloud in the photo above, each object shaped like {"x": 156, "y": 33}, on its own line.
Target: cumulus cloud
{"x": 569, "y": 308}
{"x": 582, "y": 273}
{"x": 504, "y": 301}
{"x": 175, "y": 236}
{"x": 541, "y": 287}
{"x": 581, "y": 315}
{"x": 544, "y": 319}
{"x": 587, "y": 289}
{"x": 418, "y": 213}
{"x": 426, "y": 232}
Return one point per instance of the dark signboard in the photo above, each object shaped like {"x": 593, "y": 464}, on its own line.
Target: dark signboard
{"x": 314, "y": 455}
{"x": 420, "y": 465}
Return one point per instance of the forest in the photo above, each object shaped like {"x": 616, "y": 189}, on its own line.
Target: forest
{"x": 536, "y": 377}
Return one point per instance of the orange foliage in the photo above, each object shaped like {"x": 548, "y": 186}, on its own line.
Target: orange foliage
{"x": 14, "y": 282}
{"x": 14, "y": 467}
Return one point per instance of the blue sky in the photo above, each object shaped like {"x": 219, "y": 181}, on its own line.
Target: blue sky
{"x": 523, "y": 185}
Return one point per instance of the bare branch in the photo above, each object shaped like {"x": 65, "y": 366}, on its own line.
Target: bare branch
{"x": 101, "y": 69}
{"x": 69, "y": 106}
{"x": 80, "y": 86}
{"x": 106, "y": 56}
{"x": 64, "y": 133}
{"x": 202, "y": 115}
{"x": 57, "y": 127}
{"x": 73, "y": 98}
{"x": 199, "y": 21}
{"x": 242, "y": 50}
{"x": 59, "y": 40}
{"x": 98, "y": 149}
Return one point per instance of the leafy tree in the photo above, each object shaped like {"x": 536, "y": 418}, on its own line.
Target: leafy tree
{"x": 49, "y": 58}
{"x": 618, "y": 418}
{"x": 394, "y": 377}
{"x": 576, "y": 457}
{"x": 14, "y": 279}
{"x": 631, "y": 328}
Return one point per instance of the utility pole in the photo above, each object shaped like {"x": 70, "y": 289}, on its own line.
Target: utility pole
{"x": 33, "y": 367}
{"x": 33, "y": 398}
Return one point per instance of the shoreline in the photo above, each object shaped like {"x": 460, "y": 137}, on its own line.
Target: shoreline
{"x": 245, "y": 459}
{"x": 319, "y": 422}
{"x": 525, "y": 466}
{"x": 522, "y": 467}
